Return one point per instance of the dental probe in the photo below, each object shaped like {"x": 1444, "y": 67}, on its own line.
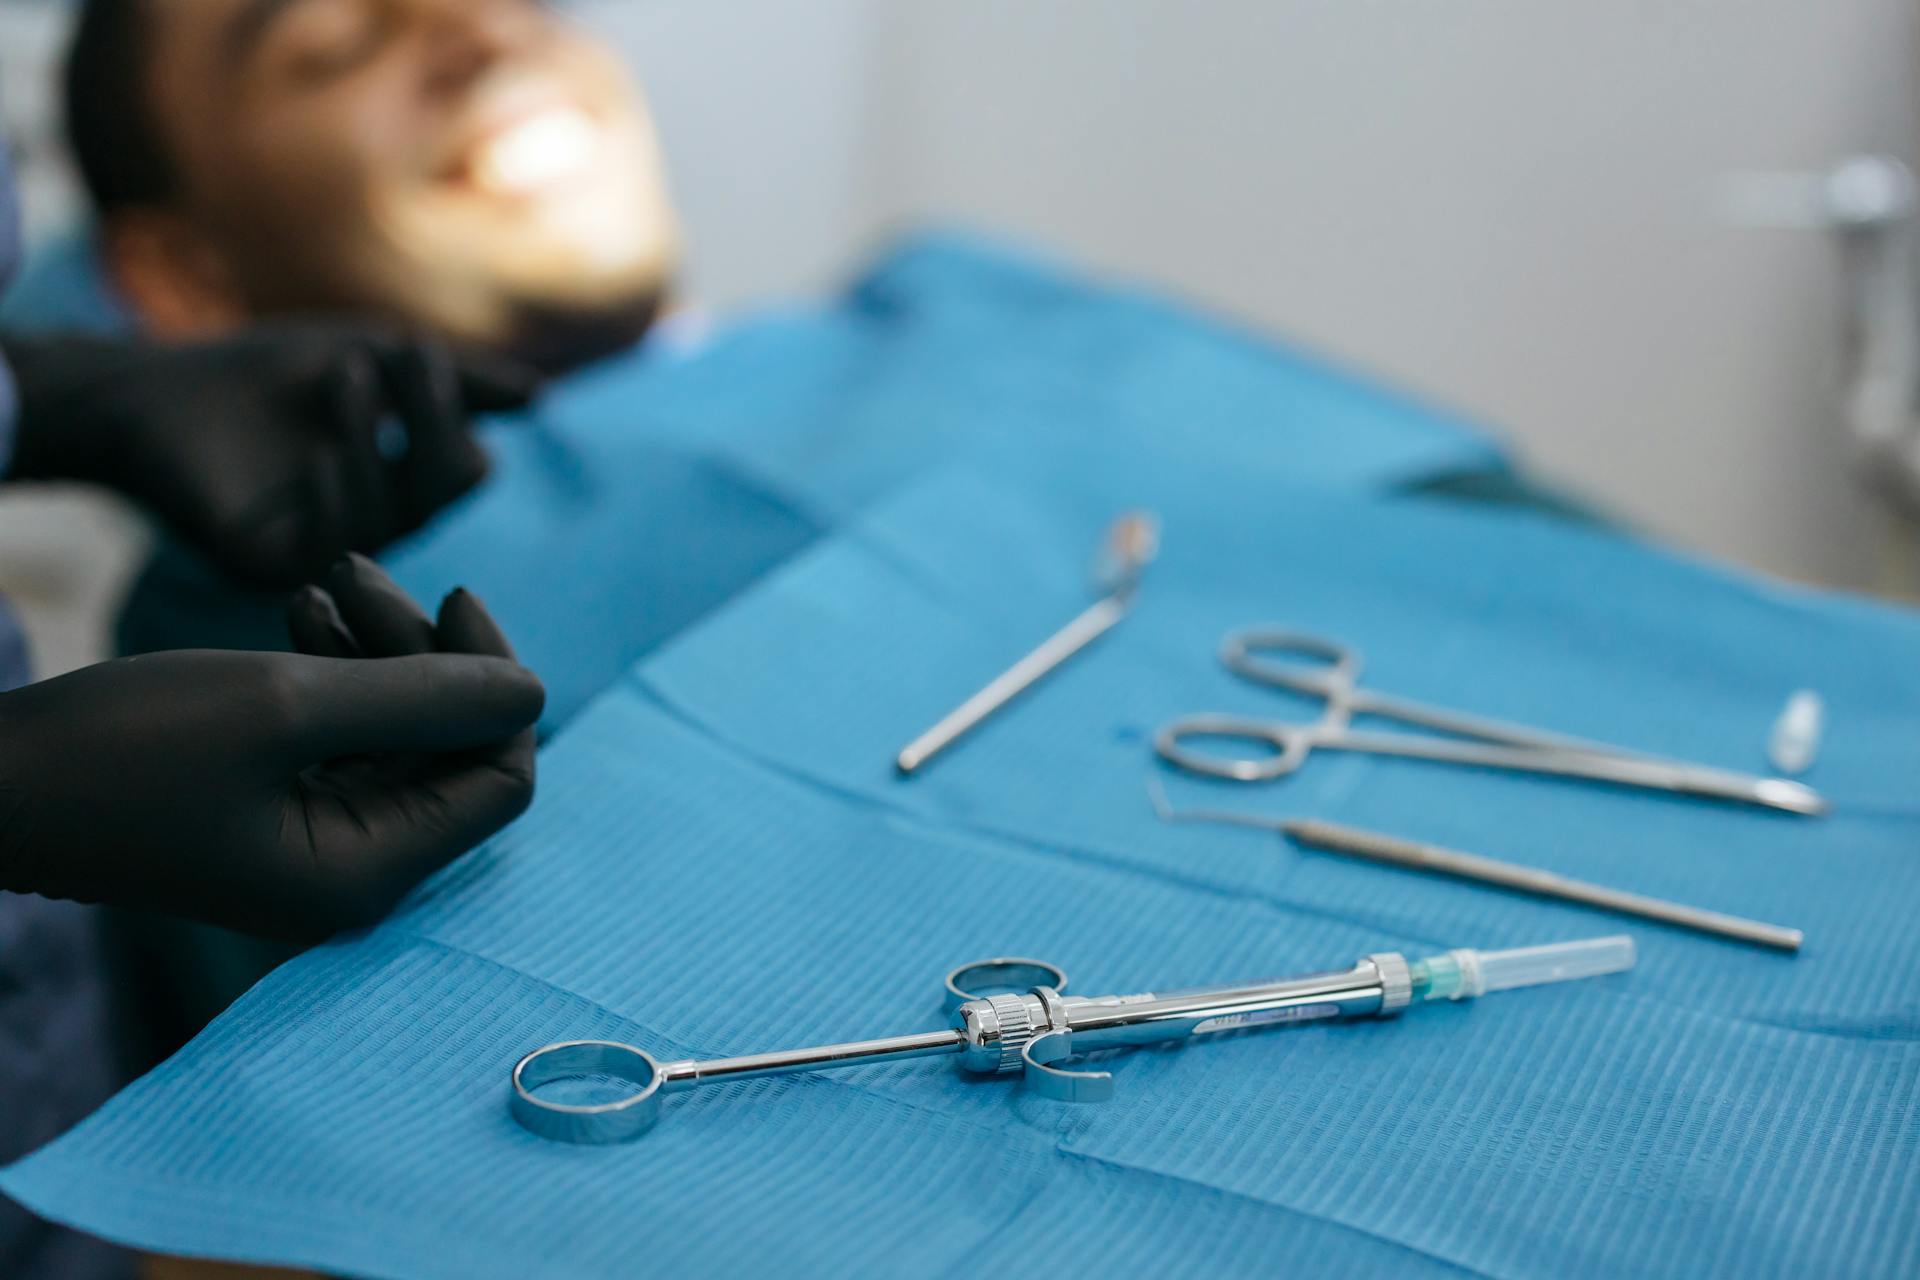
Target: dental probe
{"x": 1332, "y": 837}
{"x": 1029, "y": 1032}
{"x": 1468, "y": 866}
{"x": 1131, "y": 544}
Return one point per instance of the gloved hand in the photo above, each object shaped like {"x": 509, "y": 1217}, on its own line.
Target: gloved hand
{"x": 283, "y": 794}
{"x": 274, "y": 453}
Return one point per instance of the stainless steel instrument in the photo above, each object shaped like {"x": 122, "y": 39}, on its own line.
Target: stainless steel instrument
{"x": 1032, "y": 1032}
{"x": 1331, "y": 672}
{"x": 1373, "y": 846}
{"x": 1130, "y": 546}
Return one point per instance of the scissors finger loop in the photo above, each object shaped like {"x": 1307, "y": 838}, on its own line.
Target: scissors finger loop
{"x": 1246, "y": 653}
{"x": 1284, "y": 751}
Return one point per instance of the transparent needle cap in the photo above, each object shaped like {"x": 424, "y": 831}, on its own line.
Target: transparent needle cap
{"x": 1465, "y": 974}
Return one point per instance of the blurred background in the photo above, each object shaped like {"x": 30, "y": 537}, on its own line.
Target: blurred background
{"x": 1608, "y": 228}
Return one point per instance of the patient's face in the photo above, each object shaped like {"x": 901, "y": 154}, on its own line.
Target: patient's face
{"x": 476, "y": 166}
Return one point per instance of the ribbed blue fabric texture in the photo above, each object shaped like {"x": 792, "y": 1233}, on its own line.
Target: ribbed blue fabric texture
{"x": 644, "y": 492}
{"x": 720, "y": 862}
{"x": 957, "y": 350}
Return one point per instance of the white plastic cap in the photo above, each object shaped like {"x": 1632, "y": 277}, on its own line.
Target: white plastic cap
{"x": 1796, "y": 734}
{"x": 1484, "y": 971}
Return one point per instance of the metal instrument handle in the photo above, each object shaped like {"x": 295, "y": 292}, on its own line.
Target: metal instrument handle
{"x": 1053, "y": 652}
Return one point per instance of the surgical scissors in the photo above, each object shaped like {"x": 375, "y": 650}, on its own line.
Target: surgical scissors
{"x": 1030, "y": 1032}
{"x": 1472, "y": 740}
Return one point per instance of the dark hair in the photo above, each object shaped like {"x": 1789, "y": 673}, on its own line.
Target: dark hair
{"x": 110, "y": 123}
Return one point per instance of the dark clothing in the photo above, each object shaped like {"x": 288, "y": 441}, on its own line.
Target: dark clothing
{"x": 56, "y": 1049}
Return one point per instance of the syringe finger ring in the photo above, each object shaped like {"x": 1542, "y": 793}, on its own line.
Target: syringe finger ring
{"x": 1002, "y": 973}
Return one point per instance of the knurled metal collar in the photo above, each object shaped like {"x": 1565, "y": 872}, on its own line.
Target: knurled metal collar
{"x": 1396, "y": 982}
{"x": 1013, "y": 1019}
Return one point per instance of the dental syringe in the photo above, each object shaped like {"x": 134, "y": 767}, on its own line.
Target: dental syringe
{"x": 1032, "y": 1031}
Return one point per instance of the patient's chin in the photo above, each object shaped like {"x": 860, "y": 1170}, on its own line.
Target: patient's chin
{"x": 557, "y": 293}
{"x": 579, "y": 312}
{"x": 558, "y": 339}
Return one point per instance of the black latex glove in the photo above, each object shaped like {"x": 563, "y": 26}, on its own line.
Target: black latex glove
{"x": 265, "y": 451}
{"x": 284, "y": 794}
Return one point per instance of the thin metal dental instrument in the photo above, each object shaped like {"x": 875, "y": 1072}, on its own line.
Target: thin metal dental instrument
{"x": 1331, "y": 673}
{"x": 1331, "y": 837}
{"x": 1030, "y": 1032}
{"x": 1130, "y": 546}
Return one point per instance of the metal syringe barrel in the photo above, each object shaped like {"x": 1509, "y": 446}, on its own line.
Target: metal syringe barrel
{"x": 1000, "y": 1031}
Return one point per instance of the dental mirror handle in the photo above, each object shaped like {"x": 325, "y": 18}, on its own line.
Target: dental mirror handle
{"x": 1131, "y": 544}
{"x": 1054, "y": 651}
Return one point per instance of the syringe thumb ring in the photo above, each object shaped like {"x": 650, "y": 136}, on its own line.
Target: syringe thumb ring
{"x": 621, "y": 1120}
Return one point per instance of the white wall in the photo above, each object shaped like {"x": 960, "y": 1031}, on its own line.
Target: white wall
{"x": 764, "y": 106}
{"x": 32, "y": 33}
{"x": 1505, "y": 204}
{"x": 1508, "y": 204}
